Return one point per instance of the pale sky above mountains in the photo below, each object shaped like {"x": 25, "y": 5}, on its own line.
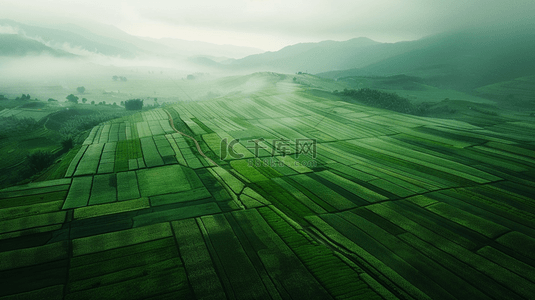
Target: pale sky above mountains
{"x": 273, "y": 24}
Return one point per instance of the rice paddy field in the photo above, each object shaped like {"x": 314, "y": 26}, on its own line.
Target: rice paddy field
{"x": 275, "y": 191}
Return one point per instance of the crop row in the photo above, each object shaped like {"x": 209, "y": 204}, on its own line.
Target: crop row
{"x": 338, "y": 278}
{"x": 99, "y": 189}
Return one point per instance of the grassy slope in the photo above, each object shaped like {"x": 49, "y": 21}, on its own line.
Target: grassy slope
{"x": 424, "y": 205}
{"x": 517, "y": 93}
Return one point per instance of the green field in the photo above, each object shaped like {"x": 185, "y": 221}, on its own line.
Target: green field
{"x": 377, "y": 205}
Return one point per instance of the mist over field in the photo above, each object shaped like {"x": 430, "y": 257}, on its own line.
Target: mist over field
{"x": 267, "y": 149}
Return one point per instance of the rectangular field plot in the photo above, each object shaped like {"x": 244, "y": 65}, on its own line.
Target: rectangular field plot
{"x": 250, "y": 172}
{"x": 323, "y": 192}
{"x": 32, "y": 256}
{"x": 90, "y": 160}
{"x": 79, "y": 192}
{"x": 126, "y": 151}
{"x": 127, "y": 186}
{"x": 29, "y": 210}
{"x": 104, "y": 189}
{"x": 352, "y": 187}
{"x": 162, "y": 180}
{"x": 174, "y": 214}
{"x": 244, "y": 279}
{"x": 110, "y": 208}
{"x": 113, "y": 240}
{"x": 76, "y": 160}
{"x": 90, "y": 138}
{"x": 150, "y": 152}
{"x": 143, "y": 129}
{"x": 27, "y": 222}
{"x": 165, "y": 149}
{"x": 202, "y": 274}
{"x": 429, "y": 161}
{"x": 185, "y": 196}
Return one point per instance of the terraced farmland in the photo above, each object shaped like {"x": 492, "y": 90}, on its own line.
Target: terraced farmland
{"x": 388, "y": 206}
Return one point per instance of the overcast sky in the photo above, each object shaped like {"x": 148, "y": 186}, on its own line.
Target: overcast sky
{"x": 273, "y": 24}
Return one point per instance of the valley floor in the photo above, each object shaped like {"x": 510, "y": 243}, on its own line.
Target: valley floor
{"x": 374, "y": 205}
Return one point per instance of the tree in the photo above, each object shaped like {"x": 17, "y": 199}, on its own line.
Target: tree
{"x": 115, "y": 77}
{"x": 67, "y": 143}
{"x": 80, "y": 89}
{"x": 52, "y": 100}
{"x": 122, "y": 103}
{"x": 133, "y": 104}
{"x": 84, "y": 100}
{"x": 72, "y": 98}
{"x": 40, "y": 160}
{"x": 93, "y": 102}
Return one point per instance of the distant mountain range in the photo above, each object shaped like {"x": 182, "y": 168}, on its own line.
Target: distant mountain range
{"x": 462, "y": 60}
{"x": 16, "y": 45}
{"x": 322, "y": 56}
{"x": 108, "y": 41}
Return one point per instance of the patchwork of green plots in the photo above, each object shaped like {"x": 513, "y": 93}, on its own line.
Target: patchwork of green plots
{"x": 425, "y": 205}
{"x": 132, "y": 249}
{"x": 387, "y": 206}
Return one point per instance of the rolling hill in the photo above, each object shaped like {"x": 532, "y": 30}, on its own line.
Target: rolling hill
{"x": 110, "y": 41}
{"x": 16, "y": 45}
{"x": 318, "y": 57}
{"x": 71, "y": 42}
{"x": 384, "y": 206}
{"x": 463, "y": 60}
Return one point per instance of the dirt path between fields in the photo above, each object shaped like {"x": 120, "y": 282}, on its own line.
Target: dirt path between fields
{"x": 192, "y": 138}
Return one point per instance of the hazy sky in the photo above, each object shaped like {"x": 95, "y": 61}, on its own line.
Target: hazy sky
{"x": 273, "y": 24}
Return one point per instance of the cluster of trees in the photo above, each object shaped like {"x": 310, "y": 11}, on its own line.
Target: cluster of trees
{"x": 385, "y": 100}
{"x": 2, "y": 97}
{"x": 72, "y": 98}
{"x": 115, "y": 78}
{"x": 23, "y": 97}
{"x": 80, "y": 89}
{"x": 40, "y": 160}
{"x": 133, "y": 104}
